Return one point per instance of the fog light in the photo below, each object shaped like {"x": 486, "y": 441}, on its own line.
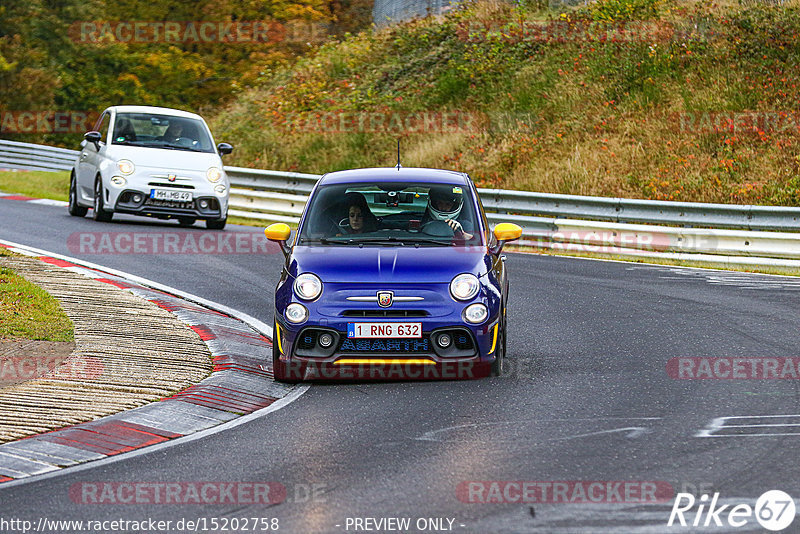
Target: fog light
{"x": 325, "y": 341}
{"x": 443, "y": 340}
{"x": 475, "y": 313}
{"x": 137, "y": 198}
{"x": 296, "y": 313}
{"x": 204, "y": 204}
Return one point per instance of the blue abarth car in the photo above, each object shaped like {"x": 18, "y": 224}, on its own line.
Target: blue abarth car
{"x": 393, "y": 273}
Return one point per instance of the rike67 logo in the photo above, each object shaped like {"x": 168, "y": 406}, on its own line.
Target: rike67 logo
{"x": 774, "y": 511}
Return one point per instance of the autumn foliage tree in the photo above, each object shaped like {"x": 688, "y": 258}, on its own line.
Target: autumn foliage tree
{"x": 72, "y": 55}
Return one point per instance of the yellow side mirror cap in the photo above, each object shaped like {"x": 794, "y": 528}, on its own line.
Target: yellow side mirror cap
{"x": 507, "y": 232}
{"x": 277, "y": 232}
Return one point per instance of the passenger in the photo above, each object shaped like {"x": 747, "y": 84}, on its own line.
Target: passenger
{"x": 360, "y": 217}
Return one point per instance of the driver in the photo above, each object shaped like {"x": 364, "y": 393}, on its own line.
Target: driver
{"x": 444, "y": 204}
{"x": 173, "y": 131}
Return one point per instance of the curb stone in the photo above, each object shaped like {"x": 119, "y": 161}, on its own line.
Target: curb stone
{"x": 240, "y": 384}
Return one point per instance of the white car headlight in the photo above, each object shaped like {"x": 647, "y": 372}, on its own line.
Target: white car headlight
{"x": 213, "y": 174}
{"x": 296, "y": 313}
{"x": 126, "y": 166}
{"x": 307, "y": 286}
{"x": 220, "y": 189}
{"x": 464, "y": 286}
{"x": 118, "y": 181}
{"x": 476, "y": 313}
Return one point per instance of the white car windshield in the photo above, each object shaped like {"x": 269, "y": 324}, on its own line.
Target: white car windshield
{"x": 161, "y": 131}
{"x": 384, "y": 213}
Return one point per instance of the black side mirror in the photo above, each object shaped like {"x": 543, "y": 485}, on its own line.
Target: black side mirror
{"x": 224, "y": 148}
{"x": 93, "y": 137}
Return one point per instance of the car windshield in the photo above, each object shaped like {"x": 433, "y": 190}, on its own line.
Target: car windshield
{"x": 391, "y": 213}
{"x": 161, "y": 131}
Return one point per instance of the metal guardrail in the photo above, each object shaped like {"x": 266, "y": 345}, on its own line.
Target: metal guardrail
{"x": 25, "y": 156}
{"x": 729, "y": 234}
{"x": 744, "y": 235}
{"x": 531, "y": 206}
{"x": 386, "y": 12}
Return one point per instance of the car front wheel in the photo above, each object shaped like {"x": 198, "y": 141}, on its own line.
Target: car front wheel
{"x": 500, "y": 350}
{"x": 74, "y": 208}
{"x": 100, "y": 214}
{"x": 281, "y": 371}
{"x": 216, "y": 224}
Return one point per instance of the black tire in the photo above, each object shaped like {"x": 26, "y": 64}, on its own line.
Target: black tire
{"x": 186, "y": 221}
{"x": 99, "y": 213}
{"x": 74, "y": 208}
{"x": 216, "y": 224}
{"x": 499, "y": 351}
{"x": 280, "y": 371}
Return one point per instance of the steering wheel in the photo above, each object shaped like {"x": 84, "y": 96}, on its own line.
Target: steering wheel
{"x": 437, "y": 229}
{"x": 344, "y": 225}
{"x": 185, "y": 141}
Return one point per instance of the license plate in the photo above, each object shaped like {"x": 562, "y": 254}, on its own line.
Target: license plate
{"x": 166, "y": 194}
{"x": 384, "y": 330}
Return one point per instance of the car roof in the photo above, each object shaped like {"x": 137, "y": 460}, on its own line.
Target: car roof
{"x": 393, "y": 174}
{"x": 154, "y": 109}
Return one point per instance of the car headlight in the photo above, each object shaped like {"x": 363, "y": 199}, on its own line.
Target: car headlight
{"x": 464, "y": 286}
{"x": 213, "y": 174}
{"x": 118, "y": 181}
{"x": 126, "y": 166}
{"x": 219, "y": 189}
{"x": 307, "y": 286}
{"x": 476, "y": 313}
{"x": 296, "y": 313}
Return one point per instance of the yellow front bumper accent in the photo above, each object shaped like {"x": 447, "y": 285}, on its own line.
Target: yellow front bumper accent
{"x": 277, "y": 335}
{"x": 383, "y": 361}
{"x": 494, "y": 338}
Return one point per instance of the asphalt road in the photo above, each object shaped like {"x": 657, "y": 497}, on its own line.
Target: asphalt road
{"x": 588, "y": 398}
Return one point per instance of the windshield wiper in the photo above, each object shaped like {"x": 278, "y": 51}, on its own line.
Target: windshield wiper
{"x": 348, "y": 240}
{"x": 424, "y": 240}
{"x": 178, "y": 147}
{"x": 322, "y": 241}
{"x": 376, "y": 240}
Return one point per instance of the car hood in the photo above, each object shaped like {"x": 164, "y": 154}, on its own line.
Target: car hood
{"x": 165, "y": 159}
{"x": 398, "y": 264}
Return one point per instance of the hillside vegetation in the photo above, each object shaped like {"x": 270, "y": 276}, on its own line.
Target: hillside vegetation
{"x": 637, "y": 98}
{"x": 77, "y": 57}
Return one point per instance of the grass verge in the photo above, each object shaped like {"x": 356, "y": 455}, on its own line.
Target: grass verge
{"x": 38, "y": 184}
{"x": 29, "y": 312}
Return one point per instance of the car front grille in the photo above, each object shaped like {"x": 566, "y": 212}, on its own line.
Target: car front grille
{"x": 384, "y": 313}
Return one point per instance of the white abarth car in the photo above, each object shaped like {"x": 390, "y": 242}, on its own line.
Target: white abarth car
{"x": 151, "y": 161}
